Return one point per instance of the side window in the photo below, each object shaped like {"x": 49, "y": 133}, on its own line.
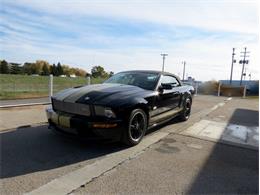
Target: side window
{"x": 170, "y": 80}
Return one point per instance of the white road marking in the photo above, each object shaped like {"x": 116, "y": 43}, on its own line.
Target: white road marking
{"x": 217, "y": 106}
{"x": 221, "y": 104}
{"x": 73, "y": 180}
{"x": 214, "y": 107}
{"x": 195, "y": 146}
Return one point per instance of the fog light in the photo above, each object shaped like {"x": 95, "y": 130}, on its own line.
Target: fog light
{"x": 104, "y": 125}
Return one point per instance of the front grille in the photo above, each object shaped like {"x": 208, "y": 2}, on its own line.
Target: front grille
{"x": 69, "y": 107}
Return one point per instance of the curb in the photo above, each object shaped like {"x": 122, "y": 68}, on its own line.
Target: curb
{"x": 23, "y": 105}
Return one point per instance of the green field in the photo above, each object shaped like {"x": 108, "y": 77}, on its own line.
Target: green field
{"x": 24, "y": 86}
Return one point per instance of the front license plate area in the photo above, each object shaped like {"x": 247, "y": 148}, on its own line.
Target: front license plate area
{"x": 64, "y": 121}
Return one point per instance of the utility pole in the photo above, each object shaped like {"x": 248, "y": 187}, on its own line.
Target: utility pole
{"x": 163, "y": 55}
{"x": 244, "y": 75}
{"x": 184, "y": 64}
{"x": 233, "y": 61}
{"x": 243, "y": 62}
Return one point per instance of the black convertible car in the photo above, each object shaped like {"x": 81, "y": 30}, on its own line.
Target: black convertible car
{"x": 123, "y": 107}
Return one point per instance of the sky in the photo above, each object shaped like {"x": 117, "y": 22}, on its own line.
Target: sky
{"x": 130, "y": 35}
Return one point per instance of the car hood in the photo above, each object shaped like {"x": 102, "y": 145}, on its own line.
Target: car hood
{"x": 102, "y": 94}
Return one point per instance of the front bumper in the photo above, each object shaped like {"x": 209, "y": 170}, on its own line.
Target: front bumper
{"x": 90, "y": 127}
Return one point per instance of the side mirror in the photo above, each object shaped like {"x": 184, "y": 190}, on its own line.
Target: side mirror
{"x": 165, "y": 86}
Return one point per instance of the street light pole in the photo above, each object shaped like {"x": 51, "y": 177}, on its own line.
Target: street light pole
{"x": 163, "y": 55}
{"x": 184, "y": 64}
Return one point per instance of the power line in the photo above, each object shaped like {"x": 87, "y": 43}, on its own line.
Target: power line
{"x": 163, "y": 55}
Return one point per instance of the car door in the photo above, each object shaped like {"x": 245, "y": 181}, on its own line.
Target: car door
{"x": 167, "y": 101}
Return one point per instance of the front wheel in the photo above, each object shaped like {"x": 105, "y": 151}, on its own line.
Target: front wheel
{"x": 185, "y": 114}
{"x": 136, "y": 128}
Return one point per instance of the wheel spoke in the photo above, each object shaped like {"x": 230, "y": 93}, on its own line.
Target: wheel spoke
{"x": 137, "y": 126}
{"x": 187, "y": 109}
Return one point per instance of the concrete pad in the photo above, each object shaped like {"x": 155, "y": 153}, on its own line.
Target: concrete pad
{"x": 225, "y": 132}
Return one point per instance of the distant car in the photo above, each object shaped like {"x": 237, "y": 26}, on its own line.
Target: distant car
{"x": 123, "y": 107}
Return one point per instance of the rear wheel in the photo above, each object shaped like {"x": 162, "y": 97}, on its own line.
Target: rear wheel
{"x": 136, "y": 128}
{"x": 185, "y": 114}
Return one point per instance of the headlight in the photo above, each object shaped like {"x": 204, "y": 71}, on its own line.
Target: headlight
{"x": 49, "y": 107}
{"x": 104, "y": 111}
{"x": 49, "y": 111}
{"x": 109, "y": 113}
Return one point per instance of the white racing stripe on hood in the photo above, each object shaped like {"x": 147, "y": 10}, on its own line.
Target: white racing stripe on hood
{"x": 84, "y": 90}
{"x": 65, "y": 93}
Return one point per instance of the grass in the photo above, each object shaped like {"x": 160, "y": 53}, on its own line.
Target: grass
{"x": 25, "y": 86}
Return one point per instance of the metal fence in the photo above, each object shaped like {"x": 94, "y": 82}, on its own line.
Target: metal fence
{"x": 15, "y": 88}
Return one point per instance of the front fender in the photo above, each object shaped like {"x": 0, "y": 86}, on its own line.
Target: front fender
{"x": 124, "y": 109}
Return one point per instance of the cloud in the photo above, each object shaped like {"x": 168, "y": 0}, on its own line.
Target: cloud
{"x": 131, "y": 35}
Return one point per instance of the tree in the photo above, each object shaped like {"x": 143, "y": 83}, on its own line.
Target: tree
{"x": 98, "y": 71}
{"x": 59, "y": 69}
{"x": 111, "y": 74}
{"x": 15, "y": 68}
{"x": 54, "y": 70}
{"x": 80, "y": 72}
{"x": 87, "y": 74}
{"x": 77, "y": 72}
{"x": 45, "y": 70}
{"x": 4, "y": 69}
{"x": 27, "y": 68}
{"x": 66, "y": 70}
{"x": 38, "y": 69}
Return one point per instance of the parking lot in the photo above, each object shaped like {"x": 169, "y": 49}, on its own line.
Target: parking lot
{"x": 216, "y": 151}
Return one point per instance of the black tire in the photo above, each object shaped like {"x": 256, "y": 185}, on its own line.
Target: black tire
{"x": 135, "y": 128}
{"x": 185, "y": 114}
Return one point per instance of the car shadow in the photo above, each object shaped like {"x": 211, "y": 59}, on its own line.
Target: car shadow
{"x": 29, "y": 150}
{"x": 230, "y": 169}
{"x": 32, "y": 149}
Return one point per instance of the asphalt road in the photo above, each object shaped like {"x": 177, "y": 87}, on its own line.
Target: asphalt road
{"x": 31, "y": 157}
{"x": 182, "y": 165}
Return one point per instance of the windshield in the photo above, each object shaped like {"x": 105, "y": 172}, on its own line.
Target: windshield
{"x": 140, "y": 79}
